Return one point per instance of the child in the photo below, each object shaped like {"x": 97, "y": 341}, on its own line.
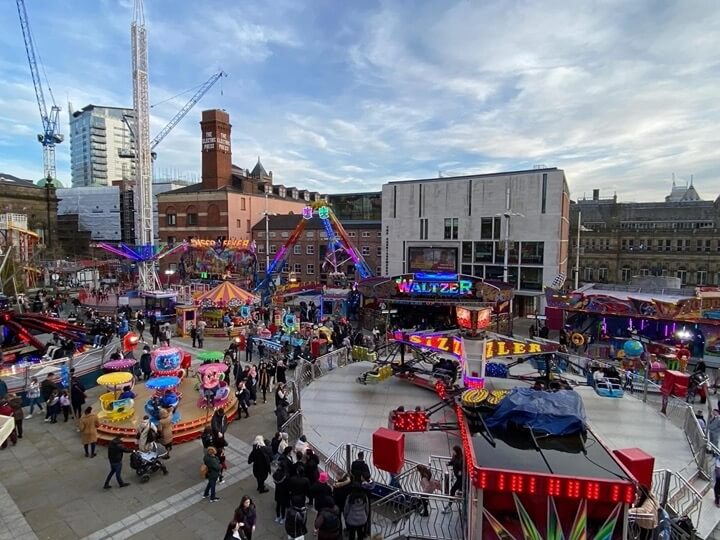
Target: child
{"x": 33, "y": 396}
{"x": 53, "y": 406}
{"x": 65, "y": 404}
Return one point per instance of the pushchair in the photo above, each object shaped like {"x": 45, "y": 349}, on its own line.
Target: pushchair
{"x": 146, "y": 463}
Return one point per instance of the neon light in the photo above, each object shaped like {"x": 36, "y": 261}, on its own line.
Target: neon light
{"x": 307, "y": 212}
{"x": 323, "y": 212}
{"x": 436, "y": 276}
{"x": 411, "y": 286}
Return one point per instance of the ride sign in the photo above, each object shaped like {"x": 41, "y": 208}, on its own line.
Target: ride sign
{"x": 412, "y": 286}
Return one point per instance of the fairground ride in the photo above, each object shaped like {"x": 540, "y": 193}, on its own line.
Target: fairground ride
{"x": 18, "y": 253}
{"x": 340, "y": 250}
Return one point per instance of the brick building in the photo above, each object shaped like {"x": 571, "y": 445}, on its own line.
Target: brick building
{"x": 307, "y": 255}
{"x": 230, "y": 200}
{"x": 677, "y": 237}
{"x": 39, "y": 204}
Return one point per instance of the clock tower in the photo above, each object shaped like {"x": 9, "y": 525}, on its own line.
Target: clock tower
{"x": 216, "y": 151}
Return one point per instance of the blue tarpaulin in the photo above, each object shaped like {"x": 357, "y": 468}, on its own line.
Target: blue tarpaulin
{"x": 552, "y": 413}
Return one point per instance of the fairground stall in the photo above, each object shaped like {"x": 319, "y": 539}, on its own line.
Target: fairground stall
{"x": 443, "y": 297}
{"x": 207, "y": 260}
{"x": 677, "y": 326}
{"x": 225, "y": 303}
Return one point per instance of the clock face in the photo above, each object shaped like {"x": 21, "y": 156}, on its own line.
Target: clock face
{"x": 211, "y": 141}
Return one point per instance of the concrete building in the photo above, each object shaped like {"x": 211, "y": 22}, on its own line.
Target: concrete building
{"x": 230, "y": 200}
{"x": 86, "y": 215}
{"x": 38, "y": 203}
{"x": 677, "y": 237}
{"x": 459, "y": 224}
{"x": 101, "y": 146}
{"x": 308, "y": 254}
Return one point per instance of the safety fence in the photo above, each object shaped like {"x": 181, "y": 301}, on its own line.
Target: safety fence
{"x": 309, "y": 370}
{"x": 673, "y": 492}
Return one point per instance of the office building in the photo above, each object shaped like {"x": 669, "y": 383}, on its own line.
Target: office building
{"x": 102, "y": 147}
{"x": 676, "y": 237}
{"x": 460, "y": 224}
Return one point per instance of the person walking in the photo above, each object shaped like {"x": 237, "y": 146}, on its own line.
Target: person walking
{"x": 88, "y": 432}
{"x": 47, "y": 387}
{"x": 281, "y": 478}
{"x": 263, "y": 380}
{"x": 296, "y": 519}
{"x": 115, "y": 457}
{"x": 145, "y": 361}
{"x": 261, "y": 459}
{"x": 357, "y": 514}
{"x": 246, "y": 516}
{"x": 77, "y": 397}
{"x": 65, "y": 404}
{"x": 211, "y": 465}
{"x": 243, "y": 396}
{"x": 456, "y": 462}
{"x": 165, "y": 429}
{"x": 427, "y": 485}
{"x": 219, "y": 424}
{"x": 33, "y": 395}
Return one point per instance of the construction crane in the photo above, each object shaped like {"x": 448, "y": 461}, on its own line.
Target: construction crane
{"x": 50, "y": 136}
{"x": 144, "y": 234}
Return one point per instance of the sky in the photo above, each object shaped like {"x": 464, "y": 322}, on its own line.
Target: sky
{"x": 345, "y": 96}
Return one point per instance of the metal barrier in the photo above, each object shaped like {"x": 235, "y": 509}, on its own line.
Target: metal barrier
{"x": 389, "y": 515}
{"x": 307, "y": 371}
{"x": 672, "y": 491}
{"x": 445, "y": 519}
{"x": 293, "y": 427}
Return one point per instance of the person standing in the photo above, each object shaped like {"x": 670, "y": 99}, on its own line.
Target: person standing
{"x": 263, "y": 380}
{"x": 47, "y": 387}
{"x": 200, "y": 332}
{"x": 145, "y": 361}
{"x": 77, "y": 397}
{"x": 357, "y": 514}
{"x": 327, "y": 523}
{"x": 260, "y": 459}
{"x": 6, "y": 410}
{"x": 219, "y": 424}
{"x": 713, "y": 427}
{"x": 15, "y": 403}
{"x": 166, "y": 431}
{"x": 212, "y": 464}
{"x": 3, "y": 385}
{"x": 249, "y": 349}
{"x": 115, "y": 457}
{"x": 193, "y": 334}
{"x": 88, "y": 431}
{"x": 296, "y": 519}
{"x": 33, "y": 395}
{"x": 246, "y": 516}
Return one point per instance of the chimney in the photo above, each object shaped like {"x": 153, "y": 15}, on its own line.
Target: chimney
{"x": 216, "y": 152}
{"x": 596, "y": 194}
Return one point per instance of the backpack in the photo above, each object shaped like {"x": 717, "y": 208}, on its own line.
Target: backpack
{"x": 330, "y": 521}
{"x": 279, "y": 475}
{"x": 356, "y": 514}
{"x": 295, "y": 522}
{"x": 203, "y": 471}
{"x": 151, "y": 436}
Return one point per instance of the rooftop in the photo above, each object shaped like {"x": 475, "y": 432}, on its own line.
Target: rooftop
{"x": 288, "y": 222}
{"x": 10, "y": 179}
{"x": 484, "y": 175}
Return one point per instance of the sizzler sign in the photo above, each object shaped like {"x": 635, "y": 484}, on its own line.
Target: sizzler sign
{"x": 461, "y": 287}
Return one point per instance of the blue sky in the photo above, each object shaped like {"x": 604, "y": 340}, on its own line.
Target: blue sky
{"x": 344, "y": 96}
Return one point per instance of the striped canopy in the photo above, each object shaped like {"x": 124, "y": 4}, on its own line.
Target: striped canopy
{"x": 225, "y": 295}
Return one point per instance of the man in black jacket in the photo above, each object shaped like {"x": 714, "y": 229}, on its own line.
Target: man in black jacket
{"x": 115, "y": 457}
{"x": 47, "y": 387}
{"x": 359, "y": 469}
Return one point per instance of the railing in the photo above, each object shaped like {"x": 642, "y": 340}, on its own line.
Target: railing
{"x": 293, "y": 427}
{"x": 445, "y": 519}
{"x": 307, "y": 371}
{"x": 390, "y": 514}
{"x": 672, "y": 491}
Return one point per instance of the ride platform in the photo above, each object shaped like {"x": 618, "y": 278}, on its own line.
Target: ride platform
{"x": 191, "y": 423}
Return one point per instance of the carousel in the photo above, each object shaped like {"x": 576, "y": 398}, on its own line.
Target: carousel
{"x": 212, "y": 306}
{"x": 190, "y": 395}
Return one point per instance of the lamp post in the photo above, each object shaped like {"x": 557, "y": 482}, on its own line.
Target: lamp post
{"x": 580, "y": 229}
{"x": 506, "y": 255}
{"x": 267, "y": 215}
{"x": 169, "y": 272}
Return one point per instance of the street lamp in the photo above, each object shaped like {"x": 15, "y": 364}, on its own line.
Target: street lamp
{"x": 267, "y": 215}
{"x": 169, "y": 272}
{"x": 506, "y": 255}
{"x": 580, "y": 228}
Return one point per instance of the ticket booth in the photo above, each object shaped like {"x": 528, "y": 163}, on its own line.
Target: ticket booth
{"x": 186, "y": 316}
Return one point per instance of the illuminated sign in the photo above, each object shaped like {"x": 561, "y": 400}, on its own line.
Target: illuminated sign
{"x": 323, "y": 212}
{"x": 307, "y": 212}
{"x": 232, "y": 243}
{"x": 442, "y": 343}
{"x": 411, "y": 286}
{"x": 509, "y": 348}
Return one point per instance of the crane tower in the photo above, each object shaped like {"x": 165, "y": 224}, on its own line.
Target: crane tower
{"x": 148, "y": 279}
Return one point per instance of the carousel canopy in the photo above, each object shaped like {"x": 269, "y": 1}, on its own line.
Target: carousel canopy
{"x": 226, "y": 295}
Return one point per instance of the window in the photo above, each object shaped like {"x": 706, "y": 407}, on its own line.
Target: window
{"x": 531, "y": 279}
{"x": 309, "y": 249}
{"x": 171, "y": 240}
{"x": 543, "y": 205}
{"x": 682, "y": 274}
{"x": 173, "y": 267}
{"x": 171, "y": 220}
{"x": 297, "y": 249}
{"x": 284, "y": 234}
{"x": 624, "y": 274}
{"x": 587, "y": 274}
{"x": 261, "y": 234}
{"x": 366, "y": 234}
{"x": 213, "y": 215}
{"x": 484, "y": 252}
{"x": 378, "y": 271}
{"x": 273, "y": 234}
{"x": 192, "y": 219}
{"x": 513, "y": 248}
{"x": 242, "y": 203}
{"x": 423, "y": 228}
{"x": 379, "y": 235}
{"x": 238, "y": 223}
{"x": 532, "y": 252}
{"x": 261, "y": 266}
{"x": 261, "y": 248}
{"x": 297, "y": 268}
{"x": 310, "y": 234}
{"x": 273, "y": 248}
{"x": 286, "y": 268}
{"x": 351, "y": 234}
{"x": 310, "y": 269}
{"x": 700, "y": 277}
{"x": 248, "y": 227}
{"x": 365, "y": 251}
{"x": 602, "y": 274}
{"x": 486, "y": 225}
{"x": 467, "y": 252}
{"x": 451, "y": 229}
{"x": 379, "y": 251}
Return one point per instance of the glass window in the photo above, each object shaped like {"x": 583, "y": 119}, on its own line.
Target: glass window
{"x": 351, "y": 234}
{"x": 238, "y": 223}
{"x": 532, "y": 252}
{"x": 531, "y": 278}
{"x": 451, "y": 229}
{"x": 242, "y": 203}
{"x": 602, "y": 274}
{"x": 261, "y": 248}
{"x": 171, "y": 220}
{"x": 682, "y": 274}
{"x": 467, "y": 269}
{"x": 286, "y": 268}
{"x": 700, "y": 277}
{"x": 365, "y": 234}
{"x": 310, "y": 249}
{"x": 365, "y": 250}
{"x": 379, "y": 251}
{"x": 512, "y": 252}
{"x": 494, "y": 272}
{"x": 467, "y": 252}
{"x": 284, "y": 234}
{"x": 192, "y": 219}
{"x": 297, "y": 268}
{"x": 273, "y": 248}
{"x": 310, "y": 234}
{"x": 483, "y": 252}
{"x": 297, "y": 249}
{"x": 310, "y": 269}
{"x": 624, "y": 273}
{"x": 587, "y": 274}
{"x": 486, "y": 224}
{"x": 496, "y": 228}
{"x": 171, "y": 240}
{"x": 261, "y": 266}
